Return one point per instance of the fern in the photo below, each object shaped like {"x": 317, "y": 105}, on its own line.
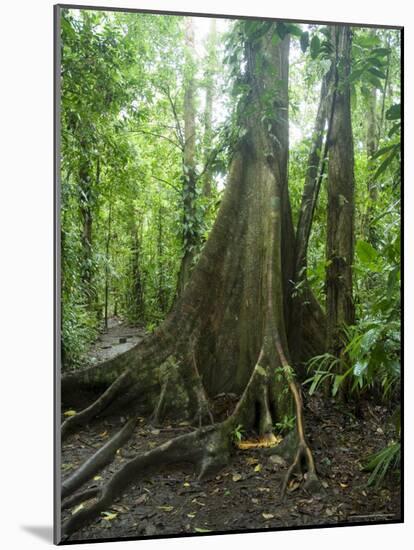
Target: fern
{"x": 383, "y": 462}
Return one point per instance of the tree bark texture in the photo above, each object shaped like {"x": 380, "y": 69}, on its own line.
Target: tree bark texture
{"x": 340, "y": 222}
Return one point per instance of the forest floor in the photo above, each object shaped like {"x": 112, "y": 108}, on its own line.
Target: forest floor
{"x": 246, "y": 494}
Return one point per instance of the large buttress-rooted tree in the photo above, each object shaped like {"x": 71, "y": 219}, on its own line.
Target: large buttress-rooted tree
{"x": 229, "y": 329}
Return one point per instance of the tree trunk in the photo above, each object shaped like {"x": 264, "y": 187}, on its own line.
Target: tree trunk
{"x": 190, "y": 237}
{"x": 340, "y": 223}
{"x": 227, "y": 331}
{"x": 208, "y": 112}
{"x": 304, "y": 310}
{"x": 85, "y": 207}
{"x": 137, "y": 309}
{"x": 161, "y": 291}
{"x": 372, "y": 144}
{"x": 371, "y": 147}
{"x": 107, "y": 256}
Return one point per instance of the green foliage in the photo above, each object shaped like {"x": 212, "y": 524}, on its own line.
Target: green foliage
{"x": 122, "y": 168}
{"x": 383, "y": 462}
{"x": 238, "y": 433}
{"x": 324, "y": 369}
{"x": 286, "y": 424}
{"x": 78, "y": 332}
{"x": 369, "y": 61}
{"x": 390, "y": 155}
{"x": 371, "y": 360}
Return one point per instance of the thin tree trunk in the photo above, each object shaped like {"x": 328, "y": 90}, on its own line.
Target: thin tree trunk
{"x": 208, "y": 113}
{"x": 304, "y": 305}
{"x": 340, "y": 222}
{"x": 107, "y": 246}
{"x": 137, "y": 295}
{"x": 86, "y": 212}
{"x": 372, "y": 146}
{"x": 189, "y": 170}
{"x": 162, "y": 302}
{"x": 381, "y": 129}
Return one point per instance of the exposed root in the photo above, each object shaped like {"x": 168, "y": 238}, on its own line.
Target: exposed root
{"x": 303, "y": 454}
{"x": 199, "y": 408}
{"x": 206, "y": 448}
{"x": 98, "y": 460}
{"x": 157, "y": 414}
{"x": 203, "y": 410}
{"x": 80, "y": 497}
{"x": 83, "y": 417}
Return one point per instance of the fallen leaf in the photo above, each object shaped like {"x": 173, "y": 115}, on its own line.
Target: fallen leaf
{"x": 104, "y": 434}
{"x": 202, "y": 530}
{"x": 186, "y": 484}
{"x": 166, "y": 508}
{"x": 75, "y": 510}
{"x": 120, "y": 508}
{"x": 109, "y": 516}
{"x": 270, "y": 440}
{"x": 255, "y": 500}
{"x": 251, "y": 461}
{"x": 236, "y": 477}
{"x": 71, "y": 412}
{"x": 191, "y": 515}
{"x": 267, "y": 516}
{"x": 343, "y": 485}
{"x": 258, "y": 468}
{"x": 97, "y": 478}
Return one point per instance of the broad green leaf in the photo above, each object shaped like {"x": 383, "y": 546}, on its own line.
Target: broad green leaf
{"x": 315, "y": 46}
{"x": 376, "y": 72}
{"x": 394, "y": 112}
{"x": 337, "y": 382}
{"x": 294, "y": 30}
{"x": 366, "y": 253}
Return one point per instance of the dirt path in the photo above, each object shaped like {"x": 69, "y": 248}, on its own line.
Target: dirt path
{"x": 246, "y": 494}
{"x": 118, "y": 338}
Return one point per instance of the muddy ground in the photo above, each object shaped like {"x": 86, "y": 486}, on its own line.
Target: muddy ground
{"x": 246, "y": 494}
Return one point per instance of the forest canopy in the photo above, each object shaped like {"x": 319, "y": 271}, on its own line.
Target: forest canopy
{"x": 231, "y": 188}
